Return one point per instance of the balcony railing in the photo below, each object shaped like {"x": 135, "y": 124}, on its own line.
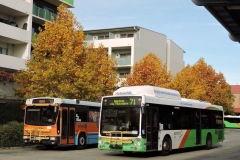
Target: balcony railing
{"x": 123, "y": 61}
{"x": 69, "y": 1}
{"x": 33, "y": 32}
{"x": 43, "y": 13}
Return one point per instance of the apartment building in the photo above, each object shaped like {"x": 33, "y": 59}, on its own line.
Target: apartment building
{"x": 235, "y": 89}
{"x": 129, "y": 44}
{"x": 19, "y": 19}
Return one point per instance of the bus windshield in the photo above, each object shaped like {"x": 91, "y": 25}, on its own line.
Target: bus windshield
{"x": 120, "y": 120}
{"x": 41, "y": 115}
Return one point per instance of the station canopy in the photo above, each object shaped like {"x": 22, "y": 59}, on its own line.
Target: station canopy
{"x": 227, "y": 12}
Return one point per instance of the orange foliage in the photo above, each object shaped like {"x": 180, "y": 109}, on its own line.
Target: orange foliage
{"x": 62, "y": 64}
{"x": 148, "y": 71}
{"x": 201, "y": 82}
{"x": 5, "y": 77}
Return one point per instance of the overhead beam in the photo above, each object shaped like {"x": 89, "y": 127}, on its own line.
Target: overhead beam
{"x": 226, "y": 12}
{"x": 214, "y": 2}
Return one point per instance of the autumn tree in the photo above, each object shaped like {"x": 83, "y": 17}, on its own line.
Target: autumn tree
{"x": 5, "y": 77}
{"x": 201, "y": 82}
{"x": 149, "y": 71}
{"x": 63, "y": 65}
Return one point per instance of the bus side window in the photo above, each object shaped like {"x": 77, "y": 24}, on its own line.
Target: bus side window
{"x": 93, "y": 116}
{"x": 165, "y": 117}
{"x": 81, "y": 114}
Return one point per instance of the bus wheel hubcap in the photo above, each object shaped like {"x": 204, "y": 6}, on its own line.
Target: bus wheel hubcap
{"x": 165, "y": 145}
{"x": 81, "y": 141}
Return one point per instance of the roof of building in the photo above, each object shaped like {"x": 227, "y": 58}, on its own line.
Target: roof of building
{"x": 227, "y": 12}
{"x": 124, "y": 29}
{"x": 113, "y": 29}
{"x": 235, "y": 89}
{"x": 236, "y": 110}
{"x": 118, "y": 29}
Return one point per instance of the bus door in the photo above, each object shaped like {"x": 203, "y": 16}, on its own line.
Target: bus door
{"x": 152, "y": 128}
{"x": 198, "y": 127}
{"x": 68, "y": 126}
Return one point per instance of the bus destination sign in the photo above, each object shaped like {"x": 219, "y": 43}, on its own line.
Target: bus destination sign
{"x": 43, "y": 101}
{"x": 122, "y": 101}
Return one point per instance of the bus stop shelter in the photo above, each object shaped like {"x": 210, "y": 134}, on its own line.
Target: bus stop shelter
{"x": 227, "y": 12}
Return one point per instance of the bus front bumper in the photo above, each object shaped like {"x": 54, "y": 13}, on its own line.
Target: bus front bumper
{"x": 136, "y": 145}
{"x": 41, "y": 140}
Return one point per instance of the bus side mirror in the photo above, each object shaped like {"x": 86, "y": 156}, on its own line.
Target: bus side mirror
{"x": 143, "y": 109}
{"x": 160, "y": 126}
{"x": 55, "y": 109}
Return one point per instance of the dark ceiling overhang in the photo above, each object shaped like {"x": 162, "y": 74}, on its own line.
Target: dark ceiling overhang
{"x": 227, "y": 12}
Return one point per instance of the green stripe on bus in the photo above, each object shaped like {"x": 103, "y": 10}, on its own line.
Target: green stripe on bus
{"x": 231, "y": 125}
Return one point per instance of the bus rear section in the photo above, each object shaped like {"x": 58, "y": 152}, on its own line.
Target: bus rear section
{"x": 231, "y": 121}
{"x": 60, "y": 122}
{"x": 184, "y": 127}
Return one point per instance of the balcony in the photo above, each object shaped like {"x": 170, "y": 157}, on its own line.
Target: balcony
{"x": 15, "y": 8}
{"x": 14, "y": 35}
{"x": 68, "y": 3}
{"x": 43, "y": 13}
{"x": 123, "y": 61}
{"x": 12, "y": 63}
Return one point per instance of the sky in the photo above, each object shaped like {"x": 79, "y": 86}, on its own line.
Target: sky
{"x": 191, "y": 27}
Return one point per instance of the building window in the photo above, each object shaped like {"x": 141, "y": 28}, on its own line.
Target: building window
{"x": 123, "y": 72}
{"x": 103, "y": 37}
{"x": 125, "y": 55}
{"x": 123, "y": 35}
{"x": 127, "y": 35}
{"x": 3, "y": 51}
{"x": 122, "y": 75}
{"x": 130, "y": 35}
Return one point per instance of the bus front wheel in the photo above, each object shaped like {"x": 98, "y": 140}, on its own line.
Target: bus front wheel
{"x": 81, "y": 141}
{"x": 166, "y": 146}
{"x": 208, "y": 142}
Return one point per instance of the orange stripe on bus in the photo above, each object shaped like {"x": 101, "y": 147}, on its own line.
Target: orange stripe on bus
{"x": 184, "y": 139}
{"x": 238, "y": 124}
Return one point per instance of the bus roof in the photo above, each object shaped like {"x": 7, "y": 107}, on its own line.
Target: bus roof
{"x": 149, "y": 91}
{"x": 230, "y": 116}
{"x": 60, "y": 101}
{"x": 163, "y": 96}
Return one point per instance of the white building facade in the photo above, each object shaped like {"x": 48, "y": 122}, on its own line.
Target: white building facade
{"x": 127, "y": 45}
{"x": 19, "y": 19}
{"x": 15, "y": 33}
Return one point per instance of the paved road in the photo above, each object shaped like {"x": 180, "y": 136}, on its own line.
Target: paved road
{"x": 227, "y": 150}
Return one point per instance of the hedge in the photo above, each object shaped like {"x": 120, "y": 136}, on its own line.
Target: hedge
{"x": 11, "y": 134}
{"x": 11, "y": 111}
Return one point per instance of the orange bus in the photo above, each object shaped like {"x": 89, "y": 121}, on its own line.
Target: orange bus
{"x": 60, "y": 122}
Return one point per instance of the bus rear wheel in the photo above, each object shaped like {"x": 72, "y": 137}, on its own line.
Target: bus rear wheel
{"x": 208, "y": 142}
{"x": 81, "y": 141}
{"x": 166, "y": 146}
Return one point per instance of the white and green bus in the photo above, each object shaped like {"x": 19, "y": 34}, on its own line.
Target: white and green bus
{"x": 148, "y": 118}
{"x": 231, "y": 121}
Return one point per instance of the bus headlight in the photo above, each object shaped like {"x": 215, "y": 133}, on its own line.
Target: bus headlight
{"x": 137, "y": 143}
{"x": 100, "y": 142}
{"x": 52, "y": 138}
